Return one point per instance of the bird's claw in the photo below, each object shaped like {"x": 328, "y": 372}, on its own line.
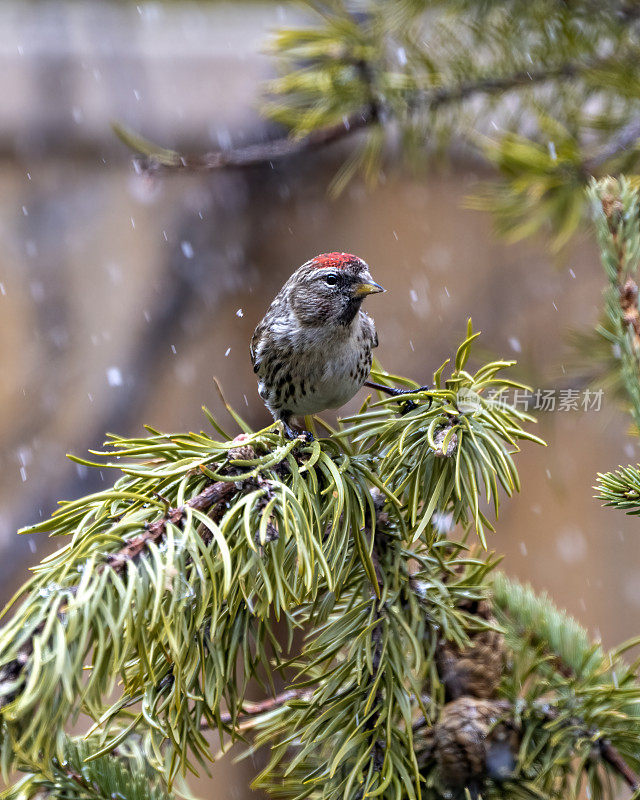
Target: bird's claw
{"x": 426, "y": 388}
{"x": 291, "y": 432}
{"x": 393, "y": 391}
{"x": 411, "y": 404}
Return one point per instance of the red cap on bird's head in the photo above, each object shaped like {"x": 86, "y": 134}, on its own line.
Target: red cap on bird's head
{"x": 336, "y": 260}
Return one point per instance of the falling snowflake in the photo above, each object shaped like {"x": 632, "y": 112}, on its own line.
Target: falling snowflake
{"x": 114, "y": 376}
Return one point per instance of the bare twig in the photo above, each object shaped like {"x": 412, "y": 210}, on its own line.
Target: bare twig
{"x": 252, "y": 709}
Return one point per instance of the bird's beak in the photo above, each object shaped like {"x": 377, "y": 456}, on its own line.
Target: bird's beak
{"x": 367, "y": 287}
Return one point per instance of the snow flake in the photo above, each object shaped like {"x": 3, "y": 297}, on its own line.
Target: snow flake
{"x": 114, "y": 376}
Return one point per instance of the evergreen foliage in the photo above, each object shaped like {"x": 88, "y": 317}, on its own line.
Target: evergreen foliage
{"x": 546, "y": 92}
{"x": 167, "y": 589}
{"x": 617, "y": 205}
{"x": 557, "y": 81}
{"x": 354, "y": 569}
{"x": 78, "y": 776}
{"x": 424, "y": 672}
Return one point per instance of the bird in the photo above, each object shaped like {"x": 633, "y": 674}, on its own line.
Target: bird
{"x": 313, "y": 348}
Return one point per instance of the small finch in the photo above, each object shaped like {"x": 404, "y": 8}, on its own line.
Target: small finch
{"x": 312, "y": 350}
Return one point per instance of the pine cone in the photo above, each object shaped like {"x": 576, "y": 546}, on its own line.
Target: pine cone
{"x": 470, "y": 745}
{"x": 241, "y": 451}
{"x": 476, "y": 669}
{"x": 439, "y": 440}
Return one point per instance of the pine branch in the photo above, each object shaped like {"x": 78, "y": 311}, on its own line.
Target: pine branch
{"x": 79, "y": 777}
{"x": 427, "y": 604}
{"x": 257, "y": 708}
{"x": 152, "y": 157}
{"x": 607, "y": 751}
{"x": 172, "y": 578}
{"x": 488, "y": 85}
{"x": 212, "y": 495}
{"x": 380, "y": 545}
{"x": 342, "y": 78}
{"x": 393, "y": 68}
{"x": 360, "y": 685}
{"x": 618, "y": 222}
{"x": 573, "y": 672}
{"x": 619, "y": 765}
{"x": 620, "y": 489}
{"x": 253, "y": 155}
{"x": 535, "y": 616}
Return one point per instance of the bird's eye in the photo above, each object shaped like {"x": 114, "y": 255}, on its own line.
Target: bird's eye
{"x": 331, "y": 280}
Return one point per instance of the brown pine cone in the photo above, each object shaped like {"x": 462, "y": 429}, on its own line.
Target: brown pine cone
{"x": 241, "y": 451}
{"x": 439, "y": 440}
{"x": 471, "y": 746}
{"x": 476, "y": 669}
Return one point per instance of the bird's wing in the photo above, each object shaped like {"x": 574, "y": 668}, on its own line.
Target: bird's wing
{"x": 254, "y": 347}
{"x": 370, "y": 327}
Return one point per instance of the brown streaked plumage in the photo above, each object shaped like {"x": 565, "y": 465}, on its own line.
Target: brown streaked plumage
{"x": 312, "y": 350}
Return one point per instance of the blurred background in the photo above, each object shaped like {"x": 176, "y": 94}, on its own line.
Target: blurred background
{"x": 123, "y": 295}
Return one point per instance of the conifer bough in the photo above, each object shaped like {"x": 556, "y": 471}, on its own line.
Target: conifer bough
{"x": 546, "y": 92}
{"x": 161, "y": 606}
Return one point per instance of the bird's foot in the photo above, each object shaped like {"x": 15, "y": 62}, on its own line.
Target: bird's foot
{"x": 411, "y": 404}
{"x": 291, "y": 432}
{"x": 393, "y": 391}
